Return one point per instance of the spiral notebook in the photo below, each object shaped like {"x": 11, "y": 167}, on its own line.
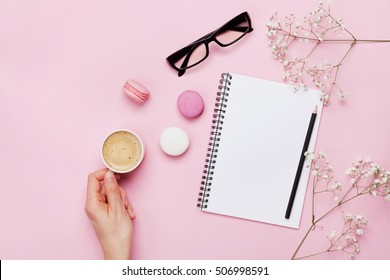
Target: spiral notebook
{"x": 257, "y": 136}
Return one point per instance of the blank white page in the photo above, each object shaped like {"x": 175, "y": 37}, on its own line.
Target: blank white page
{"x": 262, "y": 138}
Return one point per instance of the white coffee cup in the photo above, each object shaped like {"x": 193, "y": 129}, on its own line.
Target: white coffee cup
{"x": 122, "y": 151}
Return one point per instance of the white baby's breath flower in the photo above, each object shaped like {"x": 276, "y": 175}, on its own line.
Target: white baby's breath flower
{"x": 335, "y": 186}
{"x": 357, "y": 247}
{"x": 359, "y": 231}
{"x": 318, "y": 83}
{"x": 309, "y": 155}
{"x": 360, "y": 220}
{"x": 367, "y": 160}
{"x": 332, "y": 235}
{"x": 359, "y": 217}
{"x": 350, "y": 170}
{"x": 348, "y": 217}
{"x": 374, "y": 167}
{"x": 342, "y": 95}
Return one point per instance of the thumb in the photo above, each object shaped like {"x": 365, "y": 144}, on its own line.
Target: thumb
{"x": 112, "y": 191}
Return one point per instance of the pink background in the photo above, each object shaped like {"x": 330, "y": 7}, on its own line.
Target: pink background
{"x": 62, "y": 66}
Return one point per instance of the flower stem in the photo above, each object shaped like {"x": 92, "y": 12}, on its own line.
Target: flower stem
{"x": 303, "y": 239}
{"x": 345, "y": 40}
{"x": 353, "y": 39}
{"x": 314, "y": 222}
{"x": 357, "y": 40}
{"x": 338, "y": 65}
{"x": 312, "y": 255}
{"x": 350, "y": 47}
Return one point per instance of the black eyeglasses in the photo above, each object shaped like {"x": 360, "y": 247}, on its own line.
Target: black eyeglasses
{"x": 198, "y": 51}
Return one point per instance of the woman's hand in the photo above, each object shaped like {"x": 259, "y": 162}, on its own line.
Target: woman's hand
{"x": 110, "y": 213}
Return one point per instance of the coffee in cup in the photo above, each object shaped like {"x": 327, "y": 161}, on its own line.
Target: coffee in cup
{"x": 122, "y": 151}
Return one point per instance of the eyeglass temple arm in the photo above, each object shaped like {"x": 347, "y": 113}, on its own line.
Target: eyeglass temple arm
{"x": 186, "y": 60}
{"x": 235, "y": 28}
{"x": 237, "y": 20}
{"x": 241, "y": 28}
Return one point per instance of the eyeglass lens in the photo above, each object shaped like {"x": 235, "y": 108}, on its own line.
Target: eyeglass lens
{"x": 231, "y": 35}
{"x": 194, "y": 56}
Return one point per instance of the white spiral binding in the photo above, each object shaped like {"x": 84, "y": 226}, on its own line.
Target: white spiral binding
{"x": 215, "y": 137}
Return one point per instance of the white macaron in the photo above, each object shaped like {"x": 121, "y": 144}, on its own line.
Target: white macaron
{"x": 174, "y": 141}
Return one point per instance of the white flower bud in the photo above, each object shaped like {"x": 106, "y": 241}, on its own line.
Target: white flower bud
{"x": 348, "y": 217}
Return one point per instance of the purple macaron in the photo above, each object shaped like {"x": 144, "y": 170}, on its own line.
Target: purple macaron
{"x": 190, "y": 104}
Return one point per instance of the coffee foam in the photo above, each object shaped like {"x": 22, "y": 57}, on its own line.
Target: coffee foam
{"x": 122, "y": 151}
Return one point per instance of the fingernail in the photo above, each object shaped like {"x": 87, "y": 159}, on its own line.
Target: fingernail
{"x": 132, "y": 214}
{"x": 109, "y": 176}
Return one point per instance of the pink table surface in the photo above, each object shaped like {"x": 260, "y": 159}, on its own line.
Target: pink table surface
{"x": 62, "y": 66}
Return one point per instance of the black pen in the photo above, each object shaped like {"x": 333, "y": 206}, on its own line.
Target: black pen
{"x": 301, "y": 162}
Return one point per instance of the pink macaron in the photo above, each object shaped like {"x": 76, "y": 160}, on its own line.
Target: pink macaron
{"x": 136, "y": 91}
{"x": 190, "y": 104}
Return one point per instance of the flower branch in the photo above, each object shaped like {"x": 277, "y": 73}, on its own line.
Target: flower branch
{"x": 366, "y": 178}
{"x": 319, "y": 27}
